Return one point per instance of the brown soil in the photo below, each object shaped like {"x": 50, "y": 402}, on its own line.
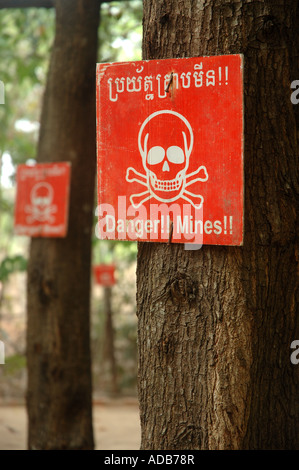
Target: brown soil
{"x": 116, "y": 426}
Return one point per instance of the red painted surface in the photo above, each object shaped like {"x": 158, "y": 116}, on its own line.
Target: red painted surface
{"x": 171, "y": 158}
{"x": 104, "y": 274}
{"x": 42, "y": 200}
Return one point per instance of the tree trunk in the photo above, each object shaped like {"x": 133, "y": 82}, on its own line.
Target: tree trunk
{"x": 216, "y": 325}
{"x": 58, "y": 339}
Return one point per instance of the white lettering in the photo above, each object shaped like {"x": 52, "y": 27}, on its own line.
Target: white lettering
{"x": 165, "y": 222}
{"x": 208, "y": 227}
{"x": 182, "y": 227}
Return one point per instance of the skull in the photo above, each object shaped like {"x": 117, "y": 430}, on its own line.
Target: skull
{"x": 165, "y": 143}
{"x": 41, "y": 199}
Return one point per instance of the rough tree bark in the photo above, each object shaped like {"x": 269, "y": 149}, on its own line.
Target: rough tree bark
{"x": 215, "y": 325}
{"x": 58, "y": 347}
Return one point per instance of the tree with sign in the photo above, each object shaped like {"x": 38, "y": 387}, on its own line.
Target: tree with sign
{"x": 216, "y": 324}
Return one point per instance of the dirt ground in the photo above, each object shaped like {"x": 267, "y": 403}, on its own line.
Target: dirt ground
{"x": 116, "y": 426}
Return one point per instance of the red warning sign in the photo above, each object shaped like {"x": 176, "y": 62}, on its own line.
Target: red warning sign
{"x": 42, "y": 200}
{"x": 170, "y": 150}
{"x": 104, "y": 274}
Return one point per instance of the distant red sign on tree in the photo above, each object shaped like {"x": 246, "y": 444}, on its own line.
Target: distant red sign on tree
{"x": 170, "y": 150}
{"x": 104, "y": 274}
{"x": 42, "y": 200}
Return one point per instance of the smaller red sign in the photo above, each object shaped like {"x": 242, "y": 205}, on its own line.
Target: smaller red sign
{"x": 104, "y": 274}
{"x": 42, "y": 200}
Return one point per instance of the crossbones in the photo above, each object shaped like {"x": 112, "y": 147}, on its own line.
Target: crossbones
{"x": 165, "y": 145}
{"x": 41, "y": 208}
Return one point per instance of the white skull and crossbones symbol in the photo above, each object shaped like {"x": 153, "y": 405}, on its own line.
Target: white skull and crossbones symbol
{"x": 165, "y": 142}
{"x": 41, "y": 207}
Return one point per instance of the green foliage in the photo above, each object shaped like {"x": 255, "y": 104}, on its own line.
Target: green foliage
{"x": 114, "y": 251}
{"x": 11, "y": 264}
{"x": 5, "y": 205}
{"x": 14, "y": 364}
{"x": 121, "y": 31}
{"x": 26, "y": 38}
{"x": 25, "y": 41}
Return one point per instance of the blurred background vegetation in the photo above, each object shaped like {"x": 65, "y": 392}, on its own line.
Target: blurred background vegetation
{"x": 26, "y": 40}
